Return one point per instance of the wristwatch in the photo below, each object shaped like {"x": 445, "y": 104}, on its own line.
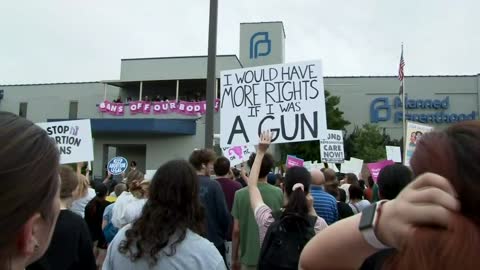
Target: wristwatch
{"x": 368, "y": 222}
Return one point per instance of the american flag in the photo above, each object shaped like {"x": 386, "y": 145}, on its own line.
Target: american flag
{"x": 401, "y": 73}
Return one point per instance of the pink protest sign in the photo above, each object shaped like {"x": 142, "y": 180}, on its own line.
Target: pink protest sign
{"x": 376, "y": 167}
{"x": 294, "y": 162}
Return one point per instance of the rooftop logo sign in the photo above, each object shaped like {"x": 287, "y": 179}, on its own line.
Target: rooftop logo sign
{"x": 434, "y": 111}
{"x": 258, "y": 39}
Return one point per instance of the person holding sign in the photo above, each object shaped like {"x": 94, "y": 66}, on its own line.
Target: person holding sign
{"x": 30, "y": 191}
{"x": 297, "y": 212}
{"x": 245, "y": 236}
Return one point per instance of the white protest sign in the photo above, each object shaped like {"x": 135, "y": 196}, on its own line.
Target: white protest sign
{"x": 73, "y": 138}
{"x": 354, "y": 165}
{"x": 238, "y": 154}
{"x": 316, "y": 165}
{"x": 331, "y": 147}
{"x": 393, "y": 153}
{"x": 333, "y": 166}
{"x": 415, "y": 132}
{"x": 287, "y": 99}
{"x": 308, "y": 165}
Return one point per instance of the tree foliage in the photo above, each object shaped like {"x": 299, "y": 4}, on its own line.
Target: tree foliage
{"x": 368, "y": 143}
{"x": 311, "y": 150}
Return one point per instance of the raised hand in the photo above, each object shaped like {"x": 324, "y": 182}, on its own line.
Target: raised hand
{"x": 265, "y": 141}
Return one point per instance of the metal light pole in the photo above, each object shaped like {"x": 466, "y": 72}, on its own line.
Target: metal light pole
{"x": 211, "y": 76}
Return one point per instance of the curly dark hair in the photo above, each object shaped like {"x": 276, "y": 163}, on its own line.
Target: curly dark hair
{"x": 166, "y": 214}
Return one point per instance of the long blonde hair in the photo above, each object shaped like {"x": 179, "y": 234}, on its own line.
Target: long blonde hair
{"x": 83, "y": 185}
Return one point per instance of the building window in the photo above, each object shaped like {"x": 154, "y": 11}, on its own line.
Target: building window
{"x": 22, "y": 112}
{"x": 73, "y": 110}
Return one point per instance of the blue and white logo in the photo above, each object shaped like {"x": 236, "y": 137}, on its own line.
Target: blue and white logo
{"x": 117, "y": 165}
{"x": 418, "y": 110}
{"x": 258, "y": 39}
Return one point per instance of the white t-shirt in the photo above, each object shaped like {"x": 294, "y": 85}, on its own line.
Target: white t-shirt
{"x": 127, "y": 209}
{"x": 194, "y": 252}
{"x": 359, "y": 206}
{"x": 78, "y": 206}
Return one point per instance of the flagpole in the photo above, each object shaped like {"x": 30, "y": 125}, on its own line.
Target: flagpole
{"x": 404, "y": 120}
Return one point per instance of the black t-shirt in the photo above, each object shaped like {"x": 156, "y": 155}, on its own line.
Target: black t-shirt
{"x": 70, "y": 247}
{"x": 344, "y": 210}
{"x": 94, "y": 217}
{"x": 377, "y": 260}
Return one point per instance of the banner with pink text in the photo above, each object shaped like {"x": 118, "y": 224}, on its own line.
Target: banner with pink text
{"x": 376, "y": 167}
{"x": 293, "y": 161}
{"x": 162, "y": 107}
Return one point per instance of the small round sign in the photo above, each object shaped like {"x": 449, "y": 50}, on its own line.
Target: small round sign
{"x": 117, "y": 165}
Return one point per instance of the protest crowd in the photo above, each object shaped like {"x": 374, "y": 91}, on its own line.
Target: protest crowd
{"x": 203, "y": 213}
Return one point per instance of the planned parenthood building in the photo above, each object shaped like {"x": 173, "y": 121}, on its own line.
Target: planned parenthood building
{"x": 154, "y": 137}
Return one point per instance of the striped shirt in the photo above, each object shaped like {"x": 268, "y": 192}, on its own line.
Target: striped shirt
{"x": 264, "y": 218}
{"x": 325, "y": 204}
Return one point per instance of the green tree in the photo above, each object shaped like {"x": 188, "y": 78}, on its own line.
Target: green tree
{"x": 368, "y": 143}
{"x": 311, "y": 150}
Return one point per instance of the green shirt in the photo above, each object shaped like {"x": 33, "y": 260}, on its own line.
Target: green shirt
{"x": 241, "y": 210}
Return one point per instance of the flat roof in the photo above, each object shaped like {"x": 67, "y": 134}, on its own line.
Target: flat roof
{"x": 181, "y": 57}
{"x": 283, "y": 26}
{"x": 113, "y": 82}
{"x": 49, "y": 83}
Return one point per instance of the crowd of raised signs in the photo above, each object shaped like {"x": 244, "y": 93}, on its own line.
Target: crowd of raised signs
{"x": 202, "y": 213}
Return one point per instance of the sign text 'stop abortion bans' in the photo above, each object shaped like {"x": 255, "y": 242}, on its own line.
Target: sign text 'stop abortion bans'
{"x": 287, "y": 99}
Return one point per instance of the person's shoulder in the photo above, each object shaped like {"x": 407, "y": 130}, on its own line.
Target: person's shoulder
{"x": 213, "y": 184}
{"x": 242, "y": 192}
{"x": 125, "y": 196}
{"x": 120, "y": 236}
{"x": 329, "y": 197}
{"x": 237, "y": 185}
{"x": 73, "y": 221}
{"x": 278, "y": 191}
{"x": 70, "y": 215}
{"x": 196, "y": 245}
{"x": 271, "y": 188}
{"x": 109, "y": 207}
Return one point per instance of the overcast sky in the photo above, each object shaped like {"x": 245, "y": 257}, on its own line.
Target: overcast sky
{"x": 84, "y": 40}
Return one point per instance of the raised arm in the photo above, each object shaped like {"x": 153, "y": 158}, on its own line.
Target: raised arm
{"x": 429, "y": 200}
{"x": 255, "y": 195}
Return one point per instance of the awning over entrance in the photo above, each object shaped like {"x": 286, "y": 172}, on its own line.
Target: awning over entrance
{"x": 142, "y": 126}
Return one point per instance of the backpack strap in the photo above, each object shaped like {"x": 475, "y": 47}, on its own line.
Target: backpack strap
{"x": 312, "y": 220}
{"x": 358, "y": 211}
{"x": 277, "y": 215}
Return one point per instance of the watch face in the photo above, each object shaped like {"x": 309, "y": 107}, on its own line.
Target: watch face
{"x": 368, "y": 214}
